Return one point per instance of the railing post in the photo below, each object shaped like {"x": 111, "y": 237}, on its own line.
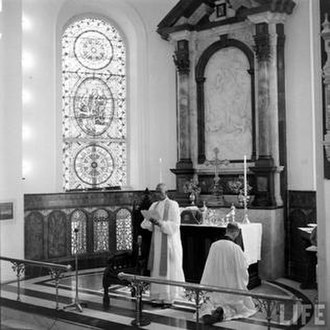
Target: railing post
{"x": 140, "y": 320}
{"x": 193, "y": 293}
{"x": 55, "y": 275}
{"x": 266, "y": 306}
{"x": 269, "y": 311}
{"x": 18, "y": 268}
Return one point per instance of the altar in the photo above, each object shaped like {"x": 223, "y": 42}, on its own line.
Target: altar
{"x": 196, "y": 242}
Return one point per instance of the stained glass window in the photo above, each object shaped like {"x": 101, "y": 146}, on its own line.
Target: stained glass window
{"x": 124, "y": 230}
{"x": 94, "y": 127}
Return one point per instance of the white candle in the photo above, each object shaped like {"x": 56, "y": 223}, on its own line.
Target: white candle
{"x": 245, "y": 177}
{"x": 160, "y": 170}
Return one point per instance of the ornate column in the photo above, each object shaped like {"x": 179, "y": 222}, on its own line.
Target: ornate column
{"x": 325, "y": 33}
{"x": 267, "y": 166}
{"x": 182, "y": 62}
{"x": 184, "y": 166}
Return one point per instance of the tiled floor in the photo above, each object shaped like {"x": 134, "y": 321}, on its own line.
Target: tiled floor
{"x": 38, "y": 297}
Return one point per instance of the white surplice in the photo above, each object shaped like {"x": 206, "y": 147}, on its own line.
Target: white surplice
{"x": 170, "y": 227}
{"x": 226, "y": 266}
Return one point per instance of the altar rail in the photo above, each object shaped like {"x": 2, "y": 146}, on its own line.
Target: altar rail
{"x": 265, "y": 303}
{"x": 104, "y": 220}
{"x": 55, "y": 270}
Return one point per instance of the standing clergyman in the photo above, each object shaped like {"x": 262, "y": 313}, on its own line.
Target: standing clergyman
{"x": 165, "y": 257}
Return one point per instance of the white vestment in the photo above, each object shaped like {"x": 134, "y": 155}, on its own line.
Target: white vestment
{"x": 226, "y": 266}
{"x": 173, "y": 268}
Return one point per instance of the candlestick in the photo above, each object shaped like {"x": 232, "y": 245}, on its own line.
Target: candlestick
{"x": 160, "y": 170}
{"x": 245, "y": 178}
{"x": 246, "y": 218}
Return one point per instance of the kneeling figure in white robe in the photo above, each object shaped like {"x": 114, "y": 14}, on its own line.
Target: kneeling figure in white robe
{"x": 226, "y": 266}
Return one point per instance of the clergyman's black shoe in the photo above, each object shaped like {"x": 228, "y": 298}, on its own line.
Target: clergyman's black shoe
{"x": 216, "y": 316}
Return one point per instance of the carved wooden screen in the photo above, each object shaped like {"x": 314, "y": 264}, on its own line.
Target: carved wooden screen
{"x": 124, "y": 230}
{"x": 78, "y": 232}
{"x": 94, "y": 105}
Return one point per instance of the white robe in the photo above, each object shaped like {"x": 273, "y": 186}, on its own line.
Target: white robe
{"x": 226, "y": 266}
{"x": 170, "y": 227}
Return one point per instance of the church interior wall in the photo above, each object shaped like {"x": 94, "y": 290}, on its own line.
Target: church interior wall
{"x": 150, "y": 99}
{"x": 300, "y": 102}
{"x": 11, "y": 229}
{"x": 151, "y": 103}
{"x": 305, "y": 124}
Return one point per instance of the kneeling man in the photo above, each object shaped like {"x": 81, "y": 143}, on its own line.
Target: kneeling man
{"x": 226, "y": 266}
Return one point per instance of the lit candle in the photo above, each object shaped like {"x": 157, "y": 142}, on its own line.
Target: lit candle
{"x": 160, "y": 170}
{"x": 245, "y": 178}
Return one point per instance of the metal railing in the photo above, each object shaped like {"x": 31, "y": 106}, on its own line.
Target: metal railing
{"x": 55, "y": 270}
{"x": 266, "y": 302}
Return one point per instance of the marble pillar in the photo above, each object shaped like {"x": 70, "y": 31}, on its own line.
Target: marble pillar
{"x": 267, "y": 166}
{"x": 182, "y": 62}
{"x": 184, "y": 166}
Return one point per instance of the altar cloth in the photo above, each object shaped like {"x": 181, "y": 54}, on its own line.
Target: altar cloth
{"x": 251, "y": 234}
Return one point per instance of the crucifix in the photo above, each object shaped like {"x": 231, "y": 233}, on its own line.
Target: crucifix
{"x": 216, "y": 162}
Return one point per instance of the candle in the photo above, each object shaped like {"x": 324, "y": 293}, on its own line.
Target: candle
{"x": 245, "y": 178}
{"x": 160, "y": 170}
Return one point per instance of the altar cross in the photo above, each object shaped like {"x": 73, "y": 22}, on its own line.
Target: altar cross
{"x": 216, "y": 162}
{"x": 217, "y": 190}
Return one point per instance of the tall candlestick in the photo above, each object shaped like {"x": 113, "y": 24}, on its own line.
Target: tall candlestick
{"x": 246, "y": 218}
{"x": 245, "y": 178}
{"x": 160, "y": 170}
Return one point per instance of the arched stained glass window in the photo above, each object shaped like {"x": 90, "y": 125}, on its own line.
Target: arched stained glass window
{"x": 94, "y": 105}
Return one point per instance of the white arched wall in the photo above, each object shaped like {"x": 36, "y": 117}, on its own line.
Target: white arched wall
{"x": 11, "y": 230}
{"x": 150, "y": 99}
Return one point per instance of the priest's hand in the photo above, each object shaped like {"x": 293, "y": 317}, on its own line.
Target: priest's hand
{"x": 155, "y": 221}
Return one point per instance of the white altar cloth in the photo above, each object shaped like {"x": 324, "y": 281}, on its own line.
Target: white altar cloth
{"x": 251, "y": 236}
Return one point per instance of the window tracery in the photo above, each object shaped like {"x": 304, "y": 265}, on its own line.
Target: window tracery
{"x": 94, "y": 127}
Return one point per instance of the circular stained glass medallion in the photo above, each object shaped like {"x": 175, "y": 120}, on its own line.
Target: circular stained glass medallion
{"x": 93, "y": 106}
{"x": 93, "y": 50}
{"x": 94, "y": 165}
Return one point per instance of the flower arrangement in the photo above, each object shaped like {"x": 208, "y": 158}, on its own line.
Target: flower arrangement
{"x": 192, "y": 186}
{"x": 237, "y": 186}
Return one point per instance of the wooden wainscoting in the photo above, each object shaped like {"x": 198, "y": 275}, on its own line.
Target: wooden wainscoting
{"x": 107, "y": 225}
{"x": 301, "y": 211}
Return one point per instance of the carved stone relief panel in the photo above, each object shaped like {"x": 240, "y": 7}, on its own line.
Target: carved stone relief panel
{"x": 228, "y": 114}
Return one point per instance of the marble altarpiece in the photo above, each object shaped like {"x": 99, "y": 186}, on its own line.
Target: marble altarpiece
{"x": 229, "y": 57}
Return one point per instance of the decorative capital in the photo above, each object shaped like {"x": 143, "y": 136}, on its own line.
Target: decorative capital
{"x": 181, "y": 56}
{"x": 262, "y": 47}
